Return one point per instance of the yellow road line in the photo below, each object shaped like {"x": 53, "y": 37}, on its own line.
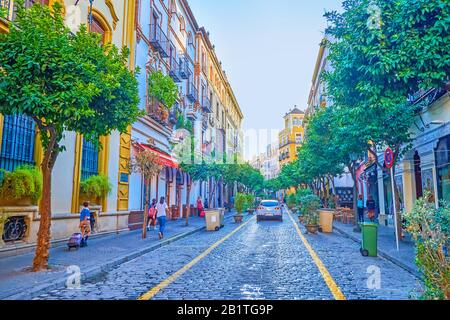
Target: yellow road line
{"x": 150, "y": 294}
{"x": 334, "y": 288}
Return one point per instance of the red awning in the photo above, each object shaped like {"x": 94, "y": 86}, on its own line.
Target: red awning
{"x": 164, "y": 158}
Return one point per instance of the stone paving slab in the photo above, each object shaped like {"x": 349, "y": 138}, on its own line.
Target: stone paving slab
{"x": 265, "y": 260}
{"x": 387, "y": 248}
{"x": 102, "y": 255}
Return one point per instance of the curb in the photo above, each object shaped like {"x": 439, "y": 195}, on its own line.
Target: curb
{"x": 98, "y": 271}
{"x": 27, "y": 248}
{"x": 384, "y": 255}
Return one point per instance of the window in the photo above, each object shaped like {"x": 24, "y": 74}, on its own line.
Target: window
{"x": 89, "y": 160}
{"x": 298, "y": 138}
{"x": 190, "y": 39}
{"x": 182, "y": 24}
{"x": 443, "y": 168}
{"x": 17, "y": 145}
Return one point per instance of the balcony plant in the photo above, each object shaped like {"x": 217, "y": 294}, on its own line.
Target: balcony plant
{"x": 430, "y": 229}
{"x": 309, "y": 206}
{"x": 23, "y": 186}
{"x": 163, "y": 88}
{"x": 94, "y": 188}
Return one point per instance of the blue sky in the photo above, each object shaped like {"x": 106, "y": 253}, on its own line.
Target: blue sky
{"x": 268, "y": 49}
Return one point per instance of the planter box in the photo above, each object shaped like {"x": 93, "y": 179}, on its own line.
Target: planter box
{"x": 22, "y": 202}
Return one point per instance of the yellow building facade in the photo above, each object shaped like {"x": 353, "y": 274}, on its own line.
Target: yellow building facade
{"x": 291, "y": 137}
{"x": 114, "y": 21}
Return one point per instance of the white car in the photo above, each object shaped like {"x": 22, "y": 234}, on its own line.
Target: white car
{"x": 269, "y": 210}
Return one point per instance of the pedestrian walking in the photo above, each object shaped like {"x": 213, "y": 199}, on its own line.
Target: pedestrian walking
{"x": 162, "y": 209}
{"x": 371, "y": 208}
{"x": 152, "y": 214}
{"x": 360, "y": 205}
{"x": 200, "y": 207}
{"x": 85, "y": 226}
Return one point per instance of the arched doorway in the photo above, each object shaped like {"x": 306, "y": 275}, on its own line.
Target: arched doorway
{"x": 418, "y": 175}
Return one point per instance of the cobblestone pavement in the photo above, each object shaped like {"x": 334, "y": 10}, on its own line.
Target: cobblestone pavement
{"x": 264, "y": 260}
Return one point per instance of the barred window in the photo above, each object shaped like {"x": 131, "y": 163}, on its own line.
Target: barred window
{"x": 89, "y": 160}
{"x": 18, "y": 142}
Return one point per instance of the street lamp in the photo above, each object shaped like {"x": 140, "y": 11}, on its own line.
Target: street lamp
{"x": 91, "y": 18}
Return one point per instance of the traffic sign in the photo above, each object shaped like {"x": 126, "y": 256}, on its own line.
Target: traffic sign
{"x": 389, "y": 158}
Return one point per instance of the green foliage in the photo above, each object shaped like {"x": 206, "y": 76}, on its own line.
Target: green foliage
{"x": 163, "y": 88}
{"x": 240, "y": 203}
{"x": 376, "y": 66}
{"x": 430, "y": 228}
{"x": 95, "y": 187}
{"x": 64, "y": 81}
{"x": 3, "y": 12}
{"x": 309, "y": 204}
{"x": 250, "y": 201}
{"x": 183, "y": 123}
{"x": 23, "y": 182}
{"x": 291, "y": 200}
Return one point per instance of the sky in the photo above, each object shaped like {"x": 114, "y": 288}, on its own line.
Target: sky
{"x": 268, "y": 49}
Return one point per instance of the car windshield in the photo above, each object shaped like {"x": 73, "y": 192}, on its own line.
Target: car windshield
{"x": 269, "y": 203}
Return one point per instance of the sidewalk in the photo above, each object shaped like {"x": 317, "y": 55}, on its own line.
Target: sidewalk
{"x": 102, "y": 254}
{"x": 405, "y": 258}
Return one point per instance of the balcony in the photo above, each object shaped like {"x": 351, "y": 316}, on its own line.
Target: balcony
{"x": 8, "y": 6}
{"x": 192, "y": 93}
{"x": 174, "y": 71}
{"x": 206, "y": 104}
{"x": 425, "y": 98}
{"x": 159, "y": 40}
{"x": 158, "y": 112}
{"x": 185, "y": 71}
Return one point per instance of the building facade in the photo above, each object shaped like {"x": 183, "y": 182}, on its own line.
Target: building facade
{"x": 426, "y": 165}
{"x": 318, "y": 99}
{"x": 162, "y": 36}
{"x": 291, "y": 137}
{"x": 20, "y": 145}
{"x": 268, "y": 162}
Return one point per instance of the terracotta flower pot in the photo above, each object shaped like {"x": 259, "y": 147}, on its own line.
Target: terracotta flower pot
{"x": 313, "y": 229}
{"x": 238, "y": 218}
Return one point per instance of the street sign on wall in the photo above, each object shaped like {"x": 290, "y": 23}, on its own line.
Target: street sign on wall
{"x": 389, "y": 158}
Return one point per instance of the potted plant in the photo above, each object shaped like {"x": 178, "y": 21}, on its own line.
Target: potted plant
{"x": 250, "y": 204}
{"x": 310, "y": 205}
{"x": 94, "y": 188}
{"x": 291, "y": 201}
{"x": 21, "y": 187}
{"x": 240, "y": 204}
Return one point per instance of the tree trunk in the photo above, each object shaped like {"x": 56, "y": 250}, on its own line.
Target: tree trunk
{"x": 40, "y": 261}
{"x": 355, "y": 191}
{"x": 146, "y": 208}
{"x": 188, "y": 202}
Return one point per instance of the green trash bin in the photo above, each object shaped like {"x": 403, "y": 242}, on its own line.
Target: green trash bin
{"x": 369, "y": 245}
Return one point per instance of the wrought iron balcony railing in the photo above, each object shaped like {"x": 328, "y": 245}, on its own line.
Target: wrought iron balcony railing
{"x": 158, "y": 112}
{"x": 159, "y": 40}
{"x": 192, "y": 93}
{"x": 185, "y": 71}
{"x": 206, "y": 104}
{"x": 174, "y": 71}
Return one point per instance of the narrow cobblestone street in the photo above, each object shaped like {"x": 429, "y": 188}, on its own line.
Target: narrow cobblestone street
{"x": 265, "y": 260}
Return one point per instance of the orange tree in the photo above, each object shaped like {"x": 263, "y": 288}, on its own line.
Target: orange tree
{"x": 64, "y": 82}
